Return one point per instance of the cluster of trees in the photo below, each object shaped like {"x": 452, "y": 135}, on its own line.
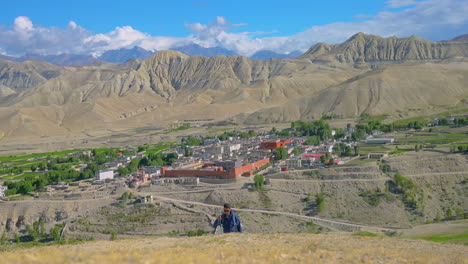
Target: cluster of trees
{"x": 418, "y": 147}
{"x": 38, "y": 183}
{"x": 318, "y": 128}
{"x": 416, "y": 125}
{"x": 192, "y": 141}
{"x": 104, "y": 156}
{"x": 313, "y": 141}
{"x": 57, "y": 173}
{"x": 459, "y": 148}
{"x": 461, "y": 121}
{"x": 458, "y": 121}
{"x": 342, "y": 149}
{"x": 153, "y": 159}
{"x": 375, "y": 125}
{"x": 280, "y": 153}
{"x": 410, "y": 193}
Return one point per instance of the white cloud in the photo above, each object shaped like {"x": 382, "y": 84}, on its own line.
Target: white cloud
{"x": 400, "y": 3}
{"x": 432, "y": 19}
{"x": 23, "y": 24}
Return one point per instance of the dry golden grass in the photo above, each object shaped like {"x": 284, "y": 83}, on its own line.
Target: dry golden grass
{"x": 246, "y": 248}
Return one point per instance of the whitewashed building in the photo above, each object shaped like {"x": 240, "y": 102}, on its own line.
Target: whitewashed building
{"x": 2, "y": 191}
{"x": 104, "y": 174}
{"x": 152, "y": 171}
{"x": 294, "y": 163}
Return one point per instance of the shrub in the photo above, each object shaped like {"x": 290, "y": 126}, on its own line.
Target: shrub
{"x": 320, "y": 201}
{"x": 199, "y": 232}
{"x": 55, "y": 232}
{"x": 259, "y": 181}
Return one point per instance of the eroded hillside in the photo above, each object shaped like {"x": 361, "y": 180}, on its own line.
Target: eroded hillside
{"x": 365, "y": 74}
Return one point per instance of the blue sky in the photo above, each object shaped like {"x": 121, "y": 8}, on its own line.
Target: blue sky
{"x": 85, "y": 26}
{"x": 168, "y": 17}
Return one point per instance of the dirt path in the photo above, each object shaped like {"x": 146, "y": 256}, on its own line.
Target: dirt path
{"x": 326, "y": 222}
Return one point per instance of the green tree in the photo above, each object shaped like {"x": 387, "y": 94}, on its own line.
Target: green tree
{"x": 25, "y": 187}
{"x": 188, "y": 151}
{"x": 259, "y": 181}
{"x": 123, "y": 171}
{"x": 133, "y": 166}
{"x": 356, "y": 150}
{"x": 33, "y": 167}
{"x": 42, "y": 166}
{"x": 3, "y": 239}
{"x": 192, "y": 141}
{"x": 33, "y": 234}
{"x": 443, "y": 121}
{"x": 313, "y": 140}
{"x": 280, "y": 153}
{"x": 449, "y": 214}
{"x": 297, "y": 151}
{"x": 320, "y": 202}
{"x": 113, "y": 236}
{"x": 55, "y": 232}
{"x": 337, "y": 149}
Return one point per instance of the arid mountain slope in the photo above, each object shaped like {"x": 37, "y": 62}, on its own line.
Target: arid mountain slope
{"x": 395, "y": 89}
{"x": 21, "y": 76}
{"x": 364, "y": 74}
{"x": 362, "y": 48}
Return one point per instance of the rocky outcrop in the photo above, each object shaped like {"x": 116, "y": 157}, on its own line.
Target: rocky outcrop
{"x": 375, "y": 49}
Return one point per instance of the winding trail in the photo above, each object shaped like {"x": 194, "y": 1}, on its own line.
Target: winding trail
{"x": 333, "y": 224}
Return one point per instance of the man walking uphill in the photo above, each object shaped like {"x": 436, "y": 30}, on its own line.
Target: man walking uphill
{"x": 229, "y": 220}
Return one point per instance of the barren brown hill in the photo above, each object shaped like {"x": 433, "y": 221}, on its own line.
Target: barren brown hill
{"x": 21, "y": 76}
{"x": 402, "y": 90}
{"x": 357, "y": 76}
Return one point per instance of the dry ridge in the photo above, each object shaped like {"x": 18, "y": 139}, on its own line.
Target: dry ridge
{"x": 246, "y": 248}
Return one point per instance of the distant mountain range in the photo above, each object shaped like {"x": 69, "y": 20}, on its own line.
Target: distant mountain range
{"x": 268, "y": 54}
{"x": 461, "y": 38}
{"x": 123, "y": 55}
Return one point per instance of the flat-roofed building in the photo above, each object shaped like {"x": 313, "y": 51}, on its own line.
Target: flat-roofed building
{"x": 294, "y": 163}
{"x": 104, "y": 174}
{"x": 2, "y": 191}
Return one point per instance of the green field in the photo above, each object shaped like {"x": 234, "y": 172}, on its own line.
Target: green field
{"x": 437, "y": 138}
{"x": 373, "y": 148}
{"x": 37, "y": 155}
{"x": 361, "y": 161}
{"x": 458, "y": 239}
{"x": 158, "y": 148}
{"x": 429, "y": 118}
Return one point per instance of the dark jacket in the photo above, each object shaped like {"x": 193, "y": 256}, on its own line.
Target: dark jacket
{"x": 230, "y": 224}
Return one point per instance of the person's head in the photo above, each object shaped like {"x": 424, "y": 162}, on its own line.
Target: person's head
{"x": 227, "y": 209}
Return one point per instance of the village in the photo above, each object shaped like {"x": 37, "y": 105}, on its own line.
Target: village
{"x": 225, "y": 158}
{"x": 217, "y": 162}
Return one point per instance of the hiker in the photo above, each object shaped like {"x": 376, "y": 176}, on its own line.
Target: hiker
{"x": 229, "y": 220}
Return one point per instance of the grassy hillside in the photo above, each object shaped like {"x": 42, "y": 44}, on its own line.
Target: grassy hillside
{"x": 247, "y": 248}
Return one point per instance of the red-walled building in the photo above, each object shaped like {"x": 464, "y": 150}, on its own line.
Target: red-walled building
{"x": 272, "y": 145}
{"x": 216, "y": 172}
